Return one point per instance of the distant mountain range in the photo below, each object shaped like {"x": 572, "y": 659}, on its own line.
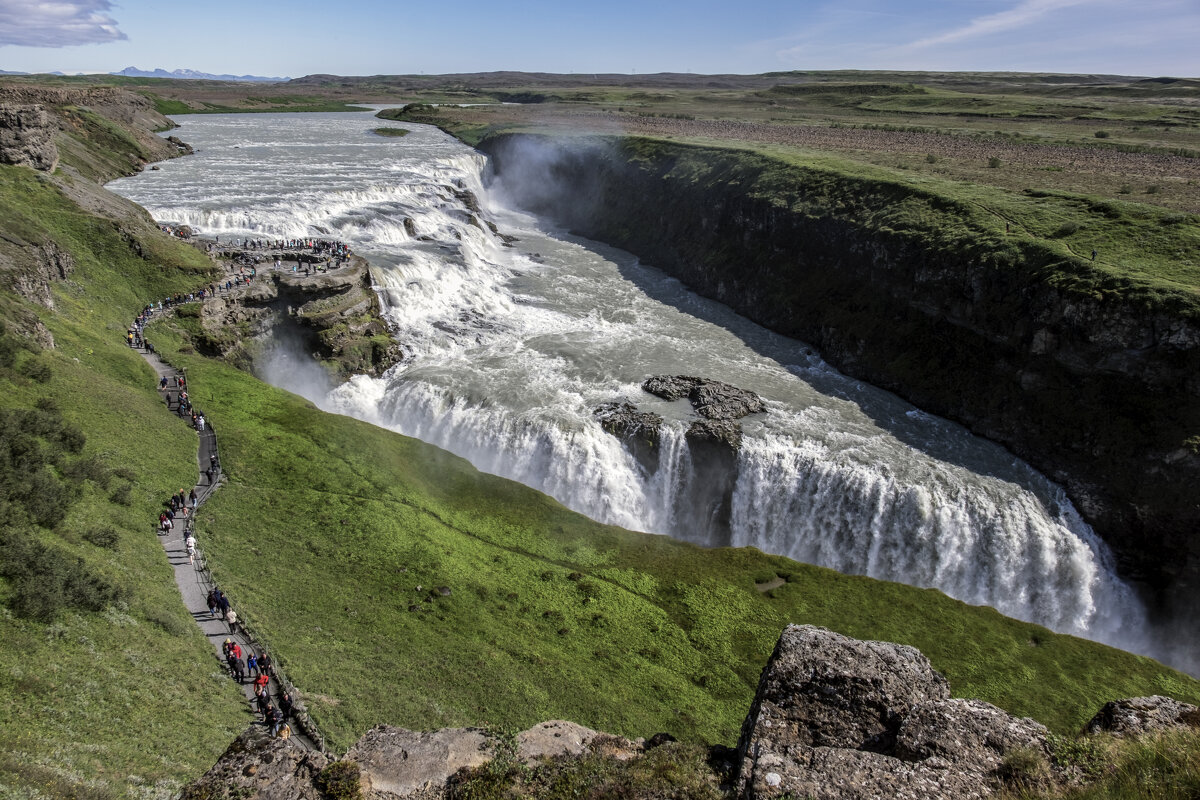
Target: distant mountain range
{"x": 193, "y": 75}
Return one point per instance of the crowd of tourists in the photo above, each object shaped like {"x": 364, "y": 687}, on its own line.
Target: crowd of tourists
{"x": 255, "y": 666}
{"x": 328, "y": 247}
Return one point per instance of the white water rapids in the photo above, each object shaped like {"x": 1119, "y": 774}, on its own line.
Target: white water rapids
{"x": 511, "y": 348}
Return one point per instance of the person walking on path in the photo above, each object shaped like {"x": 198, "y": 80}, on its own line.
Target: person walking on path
{"x": 190, "y": 544}
{"x": 263, "y": 700}
{"x": 231, "y": 620}
{"x": 236, "y": 670}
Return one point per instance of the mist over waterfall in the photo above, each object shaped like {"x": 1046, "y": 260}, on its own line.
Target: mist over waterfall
{"x": 511, "y": 348}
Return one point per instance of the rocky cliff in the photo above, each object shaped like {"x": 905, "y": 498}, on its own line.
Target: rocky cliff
{"x": 57, "y": 146}
{"x": 1092, "y": 378}
{"x": 334, "y": 316}
{"x": 834, "y": 718}
{"x": 74, "y": 120}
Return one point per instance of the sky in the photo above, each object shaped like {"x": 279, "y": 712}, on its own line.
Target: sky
{"x": 370, "y": 37}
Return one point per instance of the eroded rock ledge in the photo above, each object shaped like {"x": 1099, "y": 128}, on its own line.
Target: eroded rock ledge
{"x": 834, "y": 718}
{"x": 335, "y": 315}
{"x": 718, "y": 403}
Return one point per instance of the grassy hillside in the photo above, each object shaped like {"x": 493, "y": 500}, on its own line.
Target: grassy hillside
{"x": 336, "y": 539}
{"x": 106, "y": 686}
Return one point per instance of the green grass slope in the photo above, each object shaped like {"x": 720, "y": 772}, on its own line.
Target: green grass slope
{"x": 334, "y": 538}
{"x": 114, "y": 692}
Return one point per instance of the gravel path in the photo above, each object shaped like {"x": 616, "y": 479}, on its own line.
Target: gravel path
{"x": 194, "y": 580}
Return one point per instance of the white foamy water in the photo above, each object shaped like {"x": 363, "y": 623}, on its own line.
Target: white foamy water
{"x": 511, "y": 348}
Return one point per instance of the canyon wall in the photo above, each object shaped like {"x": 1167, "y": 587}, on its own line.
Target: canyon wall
{"x": 1091, "y": 377}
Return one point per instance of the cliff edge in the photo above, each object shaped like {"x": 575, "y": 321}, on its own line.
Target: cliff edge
{"x": 834, "y": 718}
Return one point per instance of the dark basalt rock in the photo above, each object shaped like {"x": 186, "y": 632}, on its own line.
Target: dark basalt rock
{"x": 183, "y": 147}
{"x": 713, "y": 443}
{"x": 623, "y": 419}
{"x": 720, "y": 432}
{"x": 641, "y": 431}
{"x": 711, "y": 399}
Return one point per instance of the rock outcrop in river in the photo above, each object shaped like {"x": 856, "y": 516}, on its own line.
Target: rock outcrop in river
{"x": 335, "y": 314}
{"x": 712, "y": 441}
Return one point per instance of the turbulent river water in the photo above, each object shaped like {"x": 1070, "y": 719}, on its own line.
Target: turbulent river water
{"x": 511, "y": 348}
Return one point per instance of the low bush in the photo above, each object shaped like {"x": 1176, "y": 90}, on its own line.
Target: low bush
{"x": 45, "y": 579}
{"x": 36, "y": 370}
{"x": 341, "y": 780}
{"x": 103, "y": 537}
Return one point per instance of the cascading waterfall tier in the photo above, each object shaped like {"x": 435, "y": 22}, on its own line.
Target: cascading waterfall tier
{"x": 512, "y": 347}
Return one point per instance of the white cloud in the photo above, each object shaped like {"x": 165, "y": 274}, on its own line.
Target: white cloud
{"x": 1023, "y": 14}
{"x": 57, "y": 23}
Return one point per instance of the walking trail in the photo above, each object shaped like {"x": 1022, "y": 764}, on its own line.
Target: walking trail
{"x": 194, "y": 580}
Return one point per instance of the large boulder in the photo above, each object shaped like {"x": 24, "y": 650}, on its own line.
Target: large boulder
{"x": 396, "y": 762}
{"x": 711, "y": 399}
{"x": 840, "y": 718}
{"x": 257, "y": 766}
{"x": 641, "y": 431}
{"x": 1138, "y": 715}
{"x": 558, "y": 738}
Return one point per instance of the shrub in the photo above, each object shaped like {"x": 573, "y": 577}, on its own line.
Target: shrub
{"x": 37, "y": 370}
{"x": 46, "y": 579}
{"x": 8, "y": 352}
{"x": 1067, "y": 229}
{"x": 341, "y": 780}
{"x": 89, "y": 469}
{"x": 1101, "y": 134}
{"x": 122, "y": 495}
{"x": 1152, "y": 189}
{"x": 107, "y": 538}
{"x": 993, "y": 163}
{"x": 930, "y": 158}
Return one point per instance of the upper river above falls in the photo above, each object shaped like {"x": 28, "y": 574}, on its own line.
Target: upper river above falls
{"x": 510, "y": 349}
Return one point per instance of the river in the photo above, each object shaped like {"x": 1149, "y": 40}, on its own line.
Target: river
{"x": 510, "y": 348}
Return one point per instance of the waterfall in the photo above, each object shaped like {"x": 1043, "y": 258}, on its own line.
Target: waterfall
{"x": 511, "y": 348}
